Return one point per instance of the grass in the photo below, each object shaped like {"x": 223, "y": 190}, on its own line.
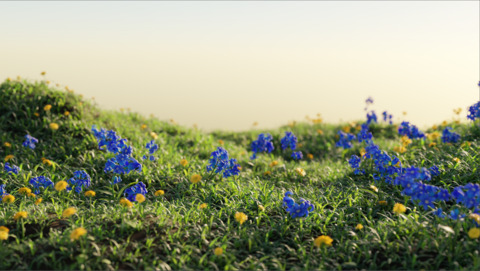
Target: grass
{"x": 172, "y": 232}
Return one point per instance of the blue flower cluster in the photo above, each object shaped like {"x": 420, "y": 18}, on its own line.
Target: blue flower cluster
{"x": 474, "y": 111}
{"x": 449, "y": 137}
{"x": 40, "y": 181}
{"x": 262, "y": 144}
{"x": 300, "y": 209}
{"x": 219, "y": 161}
{"x": 371, "y": 117}
{"x": 354, "y": 162}
{"x": 368, "y": 102}
{"x": 123, "y": 162}
{"x": 344, "y": 140}
{"x": 289, "y": 141}
{"x": 30, "y": 142}
{"x": 468, "y": 195}
{"x": 116, "y": 180}
{"x": 297, "y": 155}
{"x": 131, "y": 192}
{"x": 11, "y": 169}
{"x": 410, "y": 130}
{"x": 152, "y": 148}
{"x": 364, "y": 134}
{"x": 80, "y": 179}
{"x": 387, "y": 117}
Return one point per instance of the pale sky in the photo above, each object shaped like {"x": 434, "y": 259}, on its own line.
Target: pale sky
{"x": 225, "y": 65}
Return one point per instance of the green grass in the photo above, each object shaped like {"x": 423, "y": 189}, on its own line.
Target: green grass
{"x": 172, "y": 232}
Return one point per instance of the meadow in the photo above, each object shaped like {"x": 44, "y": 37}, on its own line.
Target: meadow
{"x": 90, "y": 189}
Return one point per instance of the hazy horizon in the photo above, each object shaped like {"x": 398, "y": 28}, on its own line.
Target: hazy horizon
{"x": 226, "y": 65}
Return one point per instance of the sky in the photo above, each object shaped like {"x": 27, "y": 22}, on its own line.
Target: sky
{"x": 226, "y": 65}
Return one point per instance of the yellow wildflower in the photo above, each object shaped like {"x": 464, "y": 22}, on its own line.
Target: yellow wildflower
{"x": 363, "y": 152}
{"x": 444, "y": 123}
{"x": 310, "y": 156}
{"x": 4, "y": 229}
{"x": 221, "y": 142}
{"x": 43, "y": 73}
{"x": 346, "y": 129}
{"x": 69, "y": 212}
{"x": 323, "y": 240}
{"x": 399, "y": 208}
{"x": 202, "y": 206}
{"x": 31, "y": 195}
{"x": 183, "y": 162}
{"x": 474, "y": 233}
{"x": 255, "y": 123}
{"x": 433, "y": 136}
{"x": 456, "y": 159}
{"x": 3, "y": 235}
{"x": 195, "y": 178}
{"x": 140, "y": 198}
{"x": 47, "y": 162}
{"x": 240, "y": 217}
{"x": 126, "y": 203}
{"x": 77, "y": 233}
{"x": 54, "y": 126}
{"x": 274, "y": 163}
{"x": 47, "y": 107}
{"x": 320, "y": 132}
{"x": 406, "y": 141}
{"x": 434, "y": 127}
{"x": 218, "y": 251}
{"x": 300, "y": 171}
{"x": 432, "y": 144}
{"x": 374, "y": 188}
{"x": 475, "y": 217}
{"x": 143, "y": 127}
{"x": 457, "y": 111}
{"x": 8, "y": 199}
{"x": 36, "y": 114}
{"x": 382, "y": 202}
{"x": 404, "y": 113}
{"x": 19, "y": 215}
{"x": 66, "y": 113}
{"x": 359, "y": 227}
{"x": 159, "y": 193}
{"x": 9, "y": 157}
{"x": 7, "y": 144}
{"x": 153, "y": 135}
{"x": 38, "y": 201}
{"x": 61, "y": 185}
{"x": 90, "y": 193}
{"x": 399, "y": 149}
{"x": 24, "y": 190}
{"x": 466, "y": 144}
{"x": 267, "y": 173}
{"x": 261, "y": 208}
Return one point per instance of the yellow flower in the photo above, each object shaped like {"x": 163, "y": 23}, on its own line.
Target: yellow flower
{"x": 457, "y": 111}
{"x": 36, "y": 114}
{"x": 38, "y": 201}
{"x": 320, "y": 132}
{"x": 195, "y": 178}
{"x": 456, "y": 160}
{"x": 159, "y": 193}
{"x": 24, "y": 190}
{"x": 255, "y": 123}
{"x": 3, "y": 235}
{"x": 90, "y": 193}
{"x": 202, "y": 206}
{"x": 261, "y": 208}
{"x": 363, "y": 152}
{"x": 300, "y": 171}
{"x": 346, "y": 129}
{"x": 66, "y": 113}
{"x": 404, "y": 113}
{"x": 466, "y": 143}
{"x": 7, "y": 144}
{"x": 434, "y": 127}
{"x": 183, "y": 162}
{"x": 69, "y": 212}
{"x": 47, "y": 107}
{"x": 47, "y": 162}
{"x": 359, "y": 227}
{"x": 8, "y": 199}
{"x": 399, "y": 149}
{"x": 374, "y": 188}
{"x": 143, "y": 127}
{"x": 221, "y": 142}
{"x": 77, "y": 233}
{"x": 474, "y": 233}
{"x": 218, "y": 251}
{"x": 323, "y": 240}
{"x": 475, "y": 217}
{"x": 432, "y": 144}
{"x": 153, "y": 135}
{"x": 126, "y": 203}
{"x": 444, "y": 123}
{"x": 4, "y": 229}
{"x": 433, "y": 136}
{"x": 140, "y": 198}
{"x": 274, "y": 163}
{"x": 53, "y": 126}
{"x": 9, "y": 157}
{"x": 43, "y": 73}
{"x": 382, "y": 202}
{"x": 399, "y": 208}
{"x": 267, "y": 173}
{"x": 310, "y": 156}
{"x": 61, "y": 185}
{"x": 240, "y": 217}
{"x": 31, "y": 195}
{"x": 19, "y": 215}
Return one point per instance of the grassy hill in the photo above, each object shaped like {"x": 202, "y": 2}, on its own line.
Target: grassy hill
{"x": 173, "y": 231}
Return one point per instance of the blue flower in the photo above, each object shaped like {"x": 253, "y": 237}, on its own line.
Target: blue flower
{"x": 474, "y": 111}
{"x": 439, "y": 212}
{"x": 80, "y": 179}
{"x": 344, "y": 140}
{"x": 3, "y": 192}
{"x": 434, "y": 171}
{"x": 289, "y": 141}
{"x": 219, "y": 161}
{"x": 262, "y": 144}
{"x": 455, "y": 214}
{"x": 387, "y": 116}
{"x": 364, "y": 134}
{"x": 297, "y": 155}
{"x": 152, "y": 147}
{"x": 410, "y": 130}
{"x": 30, "y": 142}
{"x": 11, "y": 169}
{"x": 448, "y": 136}
{"x": 300, "y": 209}
{"x": 39, "y": 182}
{"x": 131, "y": 192}
{"x": 371, "y": 117}
{"x": 116, "y": 180}
{"x": 354, "y": 161}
